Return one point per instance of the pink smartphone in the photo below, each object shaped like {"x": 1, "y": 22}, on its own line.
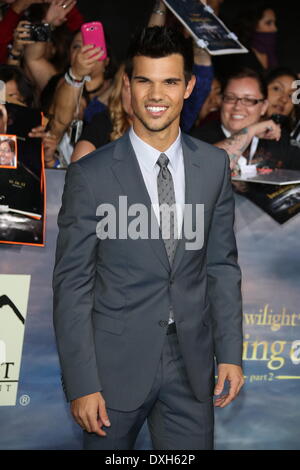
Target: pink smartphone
{"x": 92, "y": 33}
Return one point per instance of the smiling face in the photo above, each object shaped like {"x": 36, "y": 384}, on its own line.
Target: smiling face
{"x": 158, "y": 90}
{"x": 6, "y": 155}
{"x": 237, "y": 116}
{"x": 280, "y": 93}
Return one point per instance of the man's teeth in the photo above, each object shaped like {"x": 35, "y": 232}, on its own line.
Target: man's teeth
{"x": 156, "y": 109}
{"x": 237, "y": 116}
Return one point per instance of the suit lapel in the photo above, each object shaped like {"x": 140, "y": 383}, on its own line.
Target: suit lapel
{"x": 194, "y": 189}
{"x": 127, "y": 171}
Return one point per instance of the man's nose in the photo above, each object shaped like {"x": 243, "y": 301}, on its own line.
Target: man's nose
{"x": 156, "y": 92}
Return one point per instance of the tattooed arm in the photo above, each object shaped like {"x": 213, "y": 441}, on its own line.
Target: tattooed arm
{"x": 237, "y": 143}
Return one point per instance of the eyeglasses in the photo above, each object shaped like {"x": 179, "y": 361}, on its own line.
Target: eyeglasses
{"x": 230, "y": 99}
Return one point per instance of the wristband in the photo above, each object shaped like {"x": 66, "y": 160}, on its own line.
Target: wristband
{"x": 73, "y": 77}
{"x": 71, "y": 80}
{"x": 86, "y": 78}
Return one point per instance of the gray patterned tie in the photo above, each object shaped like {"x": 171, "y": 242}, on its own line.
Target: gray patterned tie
{"x": 166, "y": 195}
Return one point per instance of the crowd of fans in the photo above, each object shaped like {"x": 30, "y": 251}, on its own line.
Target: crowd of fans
{"x": 86, "y": 101}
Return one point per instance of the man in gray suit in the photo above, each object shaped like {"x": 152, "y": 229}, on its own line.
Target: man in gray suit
{"x": 139, "y": 318}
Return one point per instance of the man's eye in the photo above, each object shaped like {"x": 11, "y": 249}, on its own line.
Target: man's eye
{"x": 171, "y": 82}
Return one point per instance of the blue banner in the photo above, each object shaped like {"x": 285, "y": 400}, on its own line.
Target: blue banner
{"x": 266, "y": 415}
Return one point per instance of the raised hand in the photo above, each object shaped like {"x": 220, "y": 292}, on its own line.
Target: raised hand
{"x": 21, "y": 37}
{"x": 84, "y": 60}
{"x": 50, "y": 143}
{"x": 266, "y": 130}
{"x": 58, "y": 10}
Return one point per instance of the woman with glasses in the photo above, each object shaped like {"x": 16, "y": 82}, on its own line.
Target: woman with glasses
{"x": 243, "y": 128}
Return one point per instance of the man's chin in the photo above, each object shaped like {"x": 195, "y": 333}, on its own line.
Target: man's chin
{"x": 155, "y": 126}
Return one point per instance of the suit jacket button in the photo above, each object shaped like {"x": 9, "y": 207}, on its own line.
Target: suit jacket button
{"x": 163, "y": 323}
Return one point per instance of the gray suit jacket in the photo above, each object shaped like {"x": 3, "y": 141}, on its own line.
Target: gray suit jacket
{"x": 112, "y": 297}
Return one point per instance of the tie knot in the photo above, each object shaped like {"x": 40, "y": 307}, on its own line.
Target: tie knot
{"x": 163, "y": 161}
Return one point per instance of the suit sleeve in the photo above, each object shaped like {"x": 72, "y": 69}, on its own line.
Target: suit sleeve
{"x": 73, "y": 286}
{"x": 224, "y": 277}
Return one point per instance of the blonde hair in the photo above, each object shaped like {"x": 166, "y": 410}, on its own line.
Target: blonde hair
{"x": 119, "y": 117}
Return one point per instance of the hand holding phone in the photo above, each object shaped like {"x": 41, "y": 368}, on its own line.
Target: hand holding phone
{"x": 93, "y": 34}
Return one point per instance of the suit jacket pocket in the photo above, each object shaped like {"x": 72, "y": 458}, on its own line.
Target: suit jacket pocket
{"x": 105, "y": 323}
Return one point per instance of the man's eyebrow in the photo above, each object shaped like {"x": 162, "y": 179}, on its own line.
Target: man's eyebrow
{"x": 141, "y": 77}
{"x": 173, "y": 79}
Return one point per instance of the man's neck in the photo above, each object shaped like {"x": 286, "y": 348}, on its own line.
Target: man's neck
{"x": 160, "y": 140}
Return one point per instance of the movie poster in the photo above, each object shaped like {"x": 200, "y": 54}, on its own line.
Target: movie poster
{"x": 205, "y": 27}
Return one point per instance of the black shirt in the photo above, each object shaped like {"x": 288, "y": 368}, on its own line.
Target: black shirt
{"x": 97, "y": 132}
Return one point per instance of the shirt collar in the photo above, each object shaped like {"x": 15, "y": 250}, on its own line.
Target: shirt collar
{"x": 148, "y": 155}
{"x": 226, "y": 132}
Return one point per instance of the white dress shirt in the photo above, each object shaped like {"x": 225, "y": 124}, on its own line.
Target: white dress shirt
{"x": 147, "y": 157}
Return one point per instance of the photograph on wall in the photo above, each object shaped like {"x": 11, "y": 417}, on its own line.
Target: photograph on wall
{"x": 205, "y": 27}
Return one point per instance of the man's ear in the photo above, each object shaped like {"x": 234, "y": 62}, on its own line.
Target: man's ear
{"x": 190, "y": 87}
{"x": 126, "y": 80}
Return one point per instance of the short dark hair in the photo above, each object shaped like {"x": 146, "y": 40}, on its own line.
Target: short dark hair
{"x": 247, "y": 73}
{"x": 161, "y": 41}
{"x": 280, "y": 72}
